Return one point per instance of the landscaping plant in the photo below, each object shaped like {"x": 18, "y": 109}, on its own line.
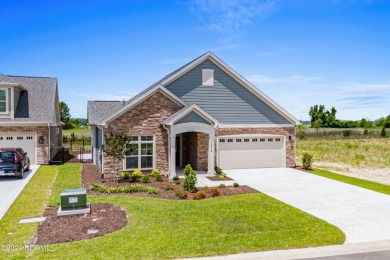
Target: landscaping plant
{"x": 155, "y": 173}
{"x": 145, "y": 178}
{"x": 214, "y": 191}
{"x": 136, "y": 175}
{"x": 221, "y": 186}
{"x": 307, "y": 161}
{"x": 181, "y": 194}
{"x": 125, "y": 175}
{"x": 199, "y": 195}
{"x": 218, "y": 170}
{"x": 121, "y": 189}
{"x": 167, "y": 186}
{"x": 222, "y": 177}
{"x": 190, "y": 178}
{"x": 236, "y": 184}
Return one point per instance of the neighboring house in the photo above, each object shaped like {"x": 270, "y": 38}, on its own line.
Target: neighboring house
{"x": 30, "y": 116}
{"x": 203, "y": 114}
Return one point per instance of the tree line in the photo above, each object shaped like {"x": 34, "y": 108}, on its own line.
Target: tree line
{"x": 69, "y": 122}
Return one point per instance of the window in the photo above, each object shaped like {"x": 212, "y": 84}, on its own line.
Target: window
{"x": 254, "y": 140}
{"x": 143, "y": 153}
{"x": 246, "y": 140}
{"x": 3, "y": 101}
{"x": 207, "y": 77}
{"x": 230, "y": 140}
{"x": 238, "y": 140}
{"x": 270, "y": 139}
{"x": 221, "y": 140}
{"x": 29, "y": 137}
{"x": 262, "y": 139}
{"x": 19, "y": 138}
{"x": 10, "y": 138}
{"x": 277, "y": 139}
{"x": 1, "y": 138}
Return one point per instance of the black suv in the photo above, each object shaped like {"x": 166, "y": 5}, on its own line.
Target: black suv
{"x": 13, "y": 162}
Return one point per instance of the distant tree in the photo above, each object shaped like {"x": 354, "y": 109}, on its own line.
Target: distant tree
{"x": 383, "y": 132}
{"x": 117, "y": 147}
{"x": 317, "y": 125}
{"x": 65, "y": 115}
{"x": 368, "y": 125}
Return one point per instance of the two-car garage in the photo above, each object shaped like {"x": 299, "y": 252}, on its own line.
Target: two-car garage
{"x": 251, "y": 151}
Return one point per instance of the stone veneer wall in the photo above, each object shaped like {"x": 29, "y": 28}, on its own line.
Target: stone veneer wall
{"x": 286, "y": 131}
{"x": 145, "y": 119}
{"x": 195, "y": 150}
{"x": 42, "y": 149}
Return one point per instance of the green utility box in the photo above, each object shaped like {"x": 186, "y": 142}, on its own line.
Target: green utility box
{"x": 72, "y": 199}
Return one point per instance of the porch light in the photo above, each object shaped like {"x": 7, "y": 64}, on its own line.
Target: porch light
{"x": 41, "y": 139}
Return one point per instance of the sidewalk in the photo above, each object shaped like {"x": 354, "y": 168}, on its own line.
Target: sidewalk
{"x": 311, "y": 252}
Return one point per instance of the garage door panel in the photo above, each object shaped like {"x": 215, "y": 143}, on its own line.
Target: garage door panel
{"x": 26, "y": 142}
{"x": 236, "y": 154}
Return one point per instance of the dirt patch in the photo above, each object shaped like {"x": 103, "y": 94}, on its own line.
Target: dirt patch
{"x": 90, "y": 175}
{"x": 105, "y": 218}
{"x": 216, "y": 178}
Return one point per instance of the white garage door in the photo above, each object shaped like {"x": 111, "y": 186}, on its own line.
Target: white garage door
{"x": 25, "y": 141}
{"x": 243, "y": 152}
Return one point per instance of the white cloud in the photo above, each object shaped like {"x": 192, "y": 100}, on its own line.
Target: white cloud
{"x": 229, "y": 16}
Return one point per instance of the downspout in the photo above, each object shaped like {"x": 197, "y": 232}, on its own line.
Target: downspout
{"x": 169, "y": 148}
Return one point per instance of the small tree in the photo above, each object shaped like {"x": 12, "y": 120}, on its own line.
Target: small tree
{"x": 190, "y": 178}
{"x": 65, "y": 115}
{"x": 317, "y": 125}
{"x": 117, "y": 146}
{"x": 307, "y": 161}
{"x": 383, "y": 132}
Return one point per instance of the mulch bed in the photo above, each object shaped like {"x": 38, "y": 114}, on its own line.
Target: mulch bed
{"x": 216, "y": 178}
{"x": 106, "y": 218}
{"x": 90, "y": 175}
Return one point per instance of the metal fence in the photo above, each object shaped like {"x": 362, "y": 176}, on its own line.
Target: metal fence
{"x": 74, "y": 151}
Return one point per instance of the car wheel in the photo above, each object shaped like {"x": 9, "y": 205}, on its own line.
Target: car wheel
{"x": 28, "y": 166}
{"x": 21, "y": 175}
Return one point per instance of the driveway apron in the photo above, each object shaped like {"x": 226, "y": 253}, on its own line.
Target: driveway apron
{"x": 363, "y": 215}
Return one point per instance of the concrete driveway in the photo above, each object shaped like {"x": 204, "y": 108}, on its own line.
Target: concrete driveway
{"x": 363, "y": 215}
{"x": 10, "y": 188}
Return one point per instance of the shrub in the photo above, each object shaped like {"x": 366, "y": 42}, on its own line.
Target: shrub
{"x": 182, "y": 194}
{"x": 125, "y": 175}
{"x": 145, "y": 178}
{"x": 199, "y": 195}
{"x": 137, "y": 173}
{"x": 155, "y": 172}
{"x": 218, "y": 170}
{"x": 222, "y": 177}
{"x": 346, "y": 133}
{"x": 307, "y": 161}
{"x": 236, "y": 184}
{"x": 383, "y": 132}
{"x": 190, "y": 178}
{"x": 121, "y": 189}
{"x": 214, "y": 192}
{"x": 167, "y": 186}
{"x": 177, "y": 182}
{"x": 176, "y": 178}
{"x": 158, "y": 177}
{"x": 221, "y": 186}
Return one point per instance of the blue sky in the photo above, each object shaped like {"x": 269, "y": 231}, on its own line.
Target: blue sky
{"x": 299, "y": 52}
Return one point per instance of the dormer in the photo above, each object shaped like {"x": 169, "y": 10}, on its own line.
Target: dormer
{"x": 9, "y": 97}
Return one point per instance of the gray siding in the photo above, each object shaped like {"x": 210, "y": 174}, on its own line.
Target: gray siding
{"x": 192, "y": 118}
{"x": 227, "y": 101}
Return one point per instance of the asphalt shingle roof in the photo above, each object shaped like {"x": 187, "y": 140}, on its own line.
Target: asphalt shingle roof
{"x": 37, "y": 99}
{"x": 98, "y": 110}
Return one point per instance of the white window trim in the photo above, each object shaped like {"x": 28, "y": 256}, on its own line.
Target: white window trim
{"x": 6, "y": 101}
{"x": 139, "y": 142}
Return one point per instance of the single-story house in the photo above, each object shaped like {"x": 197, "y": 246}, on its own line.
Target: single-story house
{"x": 204, "y": 114}
{"x": 30, "y": 115}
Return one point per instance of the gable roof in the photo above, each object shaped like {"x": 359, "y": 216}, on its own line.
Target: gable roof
{"x": 187, "y": 110}
{"x": 181, "y": 71}
{"x": 98, "y": 110}
{"x": 226, "y": 68}
{"x": 37, "y": 101}
{"x": 139, "y": 98}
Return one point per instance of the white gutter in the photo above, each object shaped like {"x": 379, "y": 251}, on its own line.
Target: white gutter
{"x": 23, "y": 123}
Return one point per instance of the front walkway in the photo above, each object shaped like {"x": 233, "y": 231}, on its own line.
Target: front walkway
{"x": 363, "y": 215}
{"x": 10, "y": 188}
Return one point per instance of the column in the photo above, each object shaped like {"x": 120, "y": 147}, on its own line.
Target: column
{"x": 210, "y": 162}
{"x": 172, "y": 156}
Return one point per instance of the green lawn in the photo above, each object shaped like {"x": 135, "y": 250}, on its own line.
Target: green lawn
{"x": 77, "y": 130}
{"x": 382, "y": 188}
{"x": 159, "y": 229}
